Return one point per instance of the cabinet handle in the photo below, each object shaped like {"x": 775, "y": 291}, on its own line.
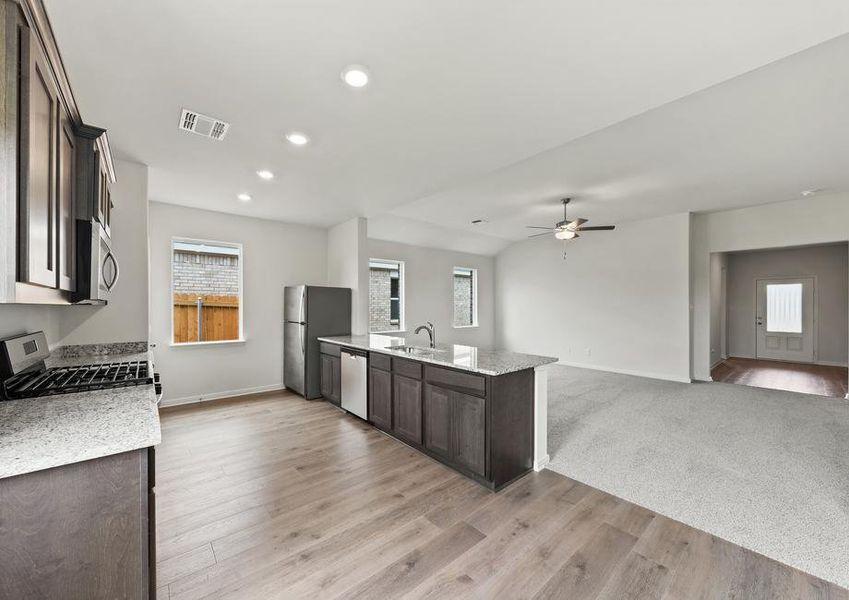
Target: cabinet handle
{"x": 111, "y": 284}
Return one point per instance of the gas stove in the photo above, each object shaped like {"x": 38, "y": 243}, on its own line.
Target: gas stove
{"x": 25, "y": 375}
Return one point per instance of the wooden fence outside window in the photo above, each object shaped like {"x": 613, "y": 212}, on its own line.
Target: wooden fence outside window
{"x": 219, "y": 318}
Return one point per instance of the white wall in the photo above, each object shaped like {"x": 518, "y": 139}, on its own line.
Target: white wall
{"x": 125, "y": 317}
{"x": 275, "y": 255}
{"x": 347, "y": 266}
{"x": 829, "y": 264}
{"x": 816, "y": 220}
{"x": 429, "y": 291}
{"x": 16, "y": 319}
{"x": 619, "y": 301}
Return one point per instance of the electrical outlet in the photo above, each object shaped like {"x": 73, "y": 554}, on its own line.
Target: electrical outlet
{"x": 589, "y": 352}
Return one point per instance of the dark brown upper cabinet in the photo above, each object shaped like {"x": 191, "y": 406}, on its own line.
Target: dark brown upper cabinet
{"x": 94, "y": 196}
{"x": 38, "y": 135}
{"x": 54, "y": 170}
{"x": 67, "y": 240}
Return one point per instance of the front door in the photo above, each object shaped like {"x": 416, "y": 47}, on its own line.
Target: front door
{"x": 785, "y": 319}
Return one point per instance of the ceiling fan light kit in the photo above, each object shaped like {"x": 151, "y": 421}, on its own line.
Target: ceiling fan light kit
{"x": 567, "y": 230}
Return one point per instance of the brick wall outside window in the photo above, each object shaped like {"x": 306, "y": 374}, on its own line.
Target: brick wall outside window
{"x": 208, "y": 274}
{"x": 464, "y": 290}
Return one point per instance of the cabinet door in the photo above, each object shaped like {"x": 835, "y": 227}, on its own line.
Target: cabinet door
{"x": 67, "y": 242}
{"x": 336, "y": 379}
{"x": 468, "y": 440}
{"x": 437, "y": 417}
{"x": 38, "y": 137}
{"x": 380, "y": 398}
{"x": 326, "y": 367}
{"x": 408, "y": 408}
{"x": 107, "y": 204}
{"x": 100, "y": 176}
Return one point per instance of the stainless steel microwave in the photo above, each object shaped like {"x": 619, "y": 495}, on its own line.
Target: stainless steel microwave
{"x": 97, "y": 265}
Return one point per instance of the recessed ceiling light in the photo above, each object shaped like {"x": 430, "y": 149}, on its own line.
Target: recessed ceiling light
{"x": 265, "y": 174}
{"x": 297, "y": 138}
{"x": 810, "y": 192}
{"x": 244, "y": 197}
{"x": 356, "y": 76}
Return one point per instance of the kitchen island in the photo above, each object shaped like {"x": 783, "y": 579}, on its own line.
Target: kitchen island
{"x": 481, "y": 412}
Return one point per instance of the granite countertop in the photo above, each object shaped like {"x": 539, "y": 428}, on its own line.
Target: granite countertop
{"x": 467, "y": 358}
{"x": 41, "y": 433}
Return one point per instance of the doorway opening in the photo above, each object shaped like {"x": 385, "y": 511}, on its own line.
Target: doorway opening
{"x": 780, "y": 318}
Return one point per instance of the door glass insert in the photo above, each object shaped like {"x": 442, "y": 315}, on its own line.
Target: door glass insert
{"x": 784, "y": 307}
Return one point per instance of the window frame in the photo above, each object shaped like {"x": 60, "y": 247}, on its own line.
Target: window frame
{"x": 402, "y": 301}
{"x": 475, "y": 322}
{"x": 235, "y": 245}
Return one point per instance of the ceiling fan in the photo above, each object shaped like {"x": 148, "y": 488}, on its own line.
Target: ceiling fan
{"x": 566, "y": 229}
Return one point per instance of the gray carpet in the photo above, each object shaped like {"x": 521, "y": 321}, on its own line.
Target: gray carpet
{"x": 767, "y": 470}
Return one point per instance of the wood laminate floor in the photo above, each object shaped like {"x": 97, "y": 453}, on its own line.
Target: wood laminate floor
{"x": 277, "y": 497}
{"x": 776, "y": 375}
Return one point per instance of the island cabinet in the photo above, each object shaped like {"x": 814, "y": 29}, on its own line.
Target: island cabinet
{"x": 407, "y": 400}
{"x": 81, "y": 531}
{"x": 331, "y": 373}
{"x": 480, "y": 425}
{"x": 380, "y": 392}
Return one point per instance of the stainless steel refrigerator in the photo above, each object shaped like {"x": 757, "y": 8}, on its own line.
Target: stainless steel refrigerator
{"x": 310, "y": 311}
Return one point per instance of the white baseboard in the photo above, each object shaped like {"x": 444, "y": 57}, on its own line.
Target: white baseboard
{"x": 664, "y": 376}
{"x": 540, "y": 464}
{"x": 831, "y": 363}
{"x": 717, "y": 362}
{"x": 219, "y": 395}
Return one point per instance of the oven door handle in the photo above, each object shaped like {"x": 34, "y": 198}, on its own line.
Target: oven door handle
{"x": 111, "y": 284}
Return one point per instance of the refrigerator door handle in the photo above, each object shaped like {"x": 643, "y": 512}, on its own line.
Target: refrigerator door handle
{"x": 301, "y": 336}
{"x": 301, "y": 316}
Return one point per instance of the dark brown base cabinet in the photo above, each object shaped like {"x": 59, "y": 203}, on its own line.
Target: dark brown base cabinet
{"x": 407, "y": 408}
{"x": 380, "y": 398}
{"x": 82, "y": 531}
{"x": 480, "y": 425}
{"x": 331, "y": 378}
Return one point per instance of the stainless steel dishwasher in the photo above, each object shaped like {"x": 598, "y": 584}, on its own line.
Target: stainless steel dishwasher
{"x": 355, "y": 382}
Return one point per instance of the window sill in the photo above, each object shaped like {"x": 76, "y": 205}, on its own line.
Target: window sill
{"x": 466, "y": 326}
{"x": 215, "y": 343}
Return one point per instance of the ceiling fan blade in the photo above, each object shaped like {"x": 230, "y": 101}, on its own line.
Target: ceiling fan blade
{"x": 536, "y": 227}
{"x": 598, "y": 228}
{"x": 574, "y": 225}
{"x": 536, "y": 235}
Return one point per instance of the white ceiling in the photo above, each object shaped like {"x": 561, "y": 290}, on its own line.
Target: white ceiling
{"x": 763, "y": 137}
{"x": 460, "y": 91}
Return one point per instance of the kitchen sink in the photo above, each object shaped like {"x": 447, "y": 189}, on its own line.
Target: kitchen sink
{"x": 417, "y": 350}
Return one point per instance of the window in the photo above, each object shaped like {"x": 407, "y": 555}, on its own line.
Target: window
{"x": 784, "y": 307}
{"x": 206, "y": 291}
{"x": 385, "y": 295}
{"x": 465, "y": 297}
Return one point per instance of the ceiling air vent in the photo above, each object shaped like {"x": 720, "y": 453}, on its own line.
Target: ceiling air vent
{"x": 210, "y": 127}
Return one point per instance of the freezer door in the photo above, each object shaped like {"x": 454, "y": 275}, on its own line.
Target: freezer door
{"x": 328, "y": 310}
{"x": 294, "y": 304}
{"x": 294, "y": 356}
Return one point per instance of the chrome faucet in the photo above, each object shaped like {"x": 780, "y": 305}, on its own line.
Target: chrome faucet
{"x": 431, "y": 332}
